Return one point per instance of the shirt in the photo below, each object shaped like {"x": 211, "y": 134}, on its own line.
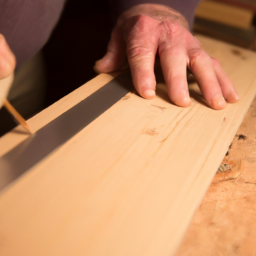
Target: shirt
{"x": 27, "y": 24}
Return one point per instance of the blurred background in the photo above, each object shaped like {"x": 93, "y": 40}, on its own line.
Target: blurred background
{"x": 81, "y": 36}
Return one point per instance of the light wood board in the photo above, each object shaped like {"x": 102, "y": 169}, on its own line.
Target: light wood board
{"x": 130, "y": 182}
{"x": 225, "y": 14}
{"x": 225, "y": 223}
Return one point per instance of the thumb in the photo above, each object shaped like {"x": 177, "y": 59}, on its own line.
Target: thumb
{"x": 7, "y": 59}
{"x": 115, "y": 58}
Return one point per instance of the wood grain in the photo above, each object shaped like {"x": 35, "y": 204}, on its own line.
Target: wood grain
{"x": 225, "y": 223}
{"x": 226, "y": 14}
{"x": 129, "y": 183}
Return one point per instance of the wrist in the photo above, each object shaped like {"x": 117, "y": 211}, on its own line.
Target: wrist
{"x": 156, "y": 11}
{"x": 186, "y": 9}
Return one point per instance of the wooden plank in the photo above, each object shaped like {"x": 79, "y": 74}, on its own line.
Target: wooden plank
{"x": 129, "y": 183}
{"x": 246, "y": 4}
{"x": 241, "y": 37}
{"x": 225, "y": 223}
{"x": 16, "y": 136}
{"x": 226, "y": 14}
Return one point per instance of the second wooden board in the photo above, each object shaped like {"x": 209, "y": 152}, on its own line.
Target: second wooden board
{"x": 225, "y": 14}
{"x": 129, "y": 183}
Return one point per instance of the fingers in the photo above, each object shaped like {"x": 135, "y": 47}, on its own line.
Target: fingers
{"x": 7, "y": 59}
{"x": 142, "y": 46}
{"x": 140, "y": 36}
{"x": 227, "y": 87}
{"x": 141, "y": 61}
{"x": 7, "y": 66}
{"x": 115, "y": 57}
{"x": 174, "y": 67}
{"x": 202, "y": 67}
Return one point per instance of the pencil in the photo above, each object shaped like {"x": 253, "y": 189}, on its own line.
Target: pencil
{"x": 16, "y": 115}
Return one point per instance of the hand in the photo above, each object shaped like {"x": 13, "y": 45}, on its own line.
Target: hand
{"x": 145, "y": 30}
{"x": 7, "y": 66}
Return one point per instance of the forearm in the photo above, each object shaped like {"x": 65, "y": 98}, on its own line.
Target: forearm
{"x": 185, "y": 7}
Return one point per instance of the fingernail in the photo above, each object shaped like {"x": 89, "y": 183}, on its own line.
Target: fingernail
{"x": 235, "y": 94}
{"x": 218, "y": 102}
{"x": 149, "y": 93}
{"x": 98, "y": 61}
{"x": 95, "y": 67}
{"x": 186, "y": 99}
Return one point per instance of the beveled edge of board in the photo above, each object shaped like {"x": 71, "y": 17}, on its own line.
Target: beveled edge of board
{"x": 18, "y": 134}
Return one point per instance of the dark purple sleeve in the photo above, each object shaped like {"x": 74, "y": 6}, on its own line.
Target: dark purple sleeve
{"x": 185, "y": 7}
{"x": 28, "y": 24}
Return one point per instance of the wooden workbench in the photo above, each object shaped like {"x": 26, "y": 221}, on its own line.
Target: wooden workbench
{"x": 63, "y": 202}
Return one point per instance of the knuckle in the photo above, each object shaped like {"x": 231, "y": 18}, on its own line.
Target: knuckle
{"x": 140, "y": 57}
{"x": 195, "y": 56}
{"x": 140, "y": 25}
{"x": 177, "y": 51}
{"x": 172, "y": 50}
{"x": 215, "y": 63}
{"x": 171, "y": 33}
{"x": 138, "y": 52}
{"x": 174, "y": 26}
{"x": 170, "y": 27}
{"x": 143, "y": 22}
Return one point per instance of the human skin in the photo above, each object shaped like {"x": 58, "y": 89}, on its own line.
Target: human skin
{"x": 147, "y": 30}
{"x": 7, "y": 66}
